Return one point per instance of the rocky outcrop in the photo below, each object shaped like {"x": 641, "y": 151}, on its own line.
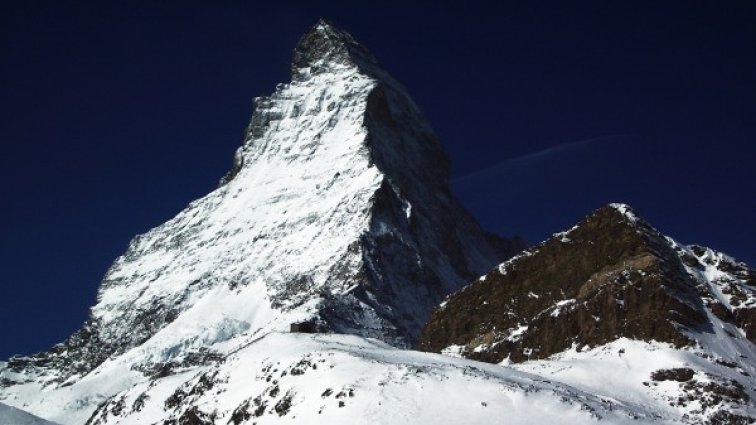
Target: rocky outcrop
{"x": 614, "y": 305}
{"x": 611, "y": 276}
{"x": 726, "y": 286}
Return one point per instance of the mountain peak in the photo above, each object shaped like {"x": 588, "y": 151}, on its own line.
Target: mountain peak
{"x": 624, "y": 209}
{"x": 616, "y": 217}
{"x": 553, "y": 291}
{"x": 337, "y": 214}
{"x": 326, "y": 47}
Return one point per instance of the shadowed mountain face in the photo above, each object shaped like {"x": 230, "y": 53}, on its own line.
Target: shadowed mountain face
{"x": 611, "y": 276}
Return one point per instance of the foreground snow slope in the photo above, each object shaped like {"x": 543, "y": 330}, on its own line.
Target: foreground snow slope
{"x": 329, "y": 378}
{"x": 13, "y": 416}
{"x": 340, "y": 379}
{"x": 337, "y": 212}
{"x": 625, "y": 370}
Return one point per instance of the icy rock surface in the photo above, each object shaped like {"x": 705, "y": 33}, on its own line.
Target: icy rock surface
{"x": 336, "y": 212}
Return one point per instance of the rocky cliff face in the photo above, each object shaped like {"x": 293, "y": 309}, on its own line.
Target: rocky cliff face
{"x": 337, "y": 212}
{"x": 610, "y": 278}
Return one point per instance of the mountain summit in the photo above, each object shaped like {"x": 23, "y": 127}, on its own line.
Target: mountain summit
{"x": 325, "y": 47}
{"x": 336, "y": 217}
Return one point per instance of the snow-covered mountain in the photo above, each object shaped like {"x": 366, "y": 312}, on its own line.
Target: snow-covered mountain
{"x": 293, "y": 291}
{"x": 337, "y": 214}
{"x": 612, "y": 300}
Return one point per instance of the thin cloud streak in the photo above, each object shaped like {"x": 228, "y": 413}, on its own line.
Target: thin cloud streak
{"x": 505, "y": 165}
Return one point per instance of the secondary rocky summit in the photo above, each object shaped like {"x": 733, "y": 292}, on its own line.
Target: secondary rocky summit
{"x": 612, "y": 278}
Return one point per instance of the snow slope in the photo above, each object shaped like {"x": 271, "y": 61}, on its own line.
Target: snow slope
{"x": 623, "y": 370}
{"x": 12, "y": 416}
{"x": 341, "y": 379}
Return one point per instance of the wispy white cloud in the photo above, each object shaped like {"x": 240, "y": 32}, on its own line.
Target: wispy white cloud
{"x": 548, "y": 153}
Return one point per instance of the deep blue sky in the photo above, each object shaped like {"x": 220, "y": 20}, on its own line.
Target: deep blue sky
{"x": 115, "y": 117}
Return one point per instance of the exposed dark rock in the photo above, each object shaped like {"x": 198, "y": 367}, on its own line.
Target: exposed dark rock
{"x": 718, "y": 395}
{"x": 610, "y": 276}
{"x": 301, "y": 367}
{"x": 203, "y": 356}
{"x": 303, "y": 327}
{"x": 193, "y": 416}
{"x": 325, "y": 45}
{"x": 283, "y": 405}
{"x": 681, "y": 374}
{"x": 241, "y": 413}
{"x": 274, "y": 391}
{"x": 345, "y": 392}
{"x": 745, "y": 318}
{"x": 726, "y": 363}
{"x": 723, "y": 417}
{"x": 190, "y": 390}
{"x": 5, "y": 382}
{"x": 138, "y": 404}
